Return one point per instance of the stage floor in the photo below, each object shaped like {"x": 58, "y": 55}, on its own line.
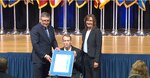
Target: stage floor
{"x": 110, "y": 44}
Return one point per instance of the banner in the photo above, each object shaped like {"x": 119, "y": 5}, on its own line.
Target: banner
{"x": 141, "y": 4}
{"x": 103, "y": 3}
{"x": 3, "y": 3}
{"x": 12, "y": 3}
{"x": 96, "y": 3}
{"x": 120, "y": 2}
{"x": 70, "y": 1}
{"x": 54, "y": 3}
{"x": 29, "y": 1}
{"x": 129, "y": 3}
{"x": 9, "y": 3}
{"x": 80, "y": 3}
{"x": 42, "y": 3}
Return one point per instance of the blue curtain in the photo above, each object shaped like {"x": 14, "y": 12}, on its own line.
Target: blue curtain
{"x": 19, "y": 64}
{"x": 112, "y": 65}
{"x": 119, "y": 65}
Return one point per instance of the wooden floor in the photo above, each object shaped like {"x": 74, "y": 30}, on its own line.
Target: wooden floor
{"x": 111, "y": 44}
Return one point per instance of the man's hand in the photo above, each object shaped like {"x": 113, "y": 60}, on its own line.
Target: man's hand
{"x": 57, "y": 48}
{"x": 48, "y": 57}
{"x": 96, "y": 64}
{"x": 75, "y": 53}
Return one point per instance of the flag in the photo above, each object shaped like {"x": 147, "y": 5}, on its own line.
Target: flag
{"x": 54, "y": 3}
{"x": 96, "y": 3}
{"x": 70, "y": 1}
{"x": 62, "y": 3}
{"x": 120, "y": 2}
{"x": 9, "y": 3}
{"x": 12, "y": 3}
{"x": 29, "y": 1}
{"x": 42, "y": 3}
{"x": 103, "y": 3}
{"x": 141, "y": 4}
{"x": 80, "y": 3}
{"x": 129, "y": 3}
{"x": 3, "y": 3}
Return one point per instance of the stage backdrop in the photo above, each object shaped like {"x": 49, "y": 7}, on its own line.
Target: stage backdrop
{"x": 58, "y": 15}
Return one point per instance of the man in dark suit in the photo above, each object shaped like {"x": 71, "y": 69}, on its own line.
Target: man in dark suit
{"x": 67, "y": 46}
{"x": 43, "y": 39}
{"x": 91, "y": 48}
{"x": 3, "y": 69}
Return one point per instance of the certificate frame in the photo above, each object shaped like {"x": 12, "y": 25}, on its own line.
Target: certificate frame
{"x": 62, "y": 63}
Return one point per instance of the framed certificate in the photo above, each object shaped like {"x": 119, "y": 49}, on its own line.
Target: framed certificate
{"x": 62, "y": 63}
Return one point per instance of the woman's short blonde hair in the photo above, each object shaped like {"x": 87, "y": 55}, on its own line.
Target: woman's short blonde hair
{"x": 139, "y": 67}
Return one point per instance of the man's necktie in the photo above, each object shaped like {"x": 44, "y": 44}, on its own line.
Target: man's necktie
{"x": 47, "y": 32}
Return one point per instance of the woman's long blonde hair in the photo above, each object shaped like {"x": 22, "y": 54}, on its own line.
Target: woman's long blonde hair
{"x": 139, "y": 67}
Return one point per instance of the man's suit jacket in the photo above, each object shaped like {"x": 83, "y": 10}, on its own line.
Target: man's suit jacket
{"x": 94, "y": 43}
{"x": 76, "y": 66}
{"x": 41, "y": 43}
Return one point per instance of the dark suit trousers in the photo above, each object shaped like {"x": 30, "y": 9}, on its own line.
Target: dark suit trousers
{"x": 88, "y": 70}
{"x": 40, "y": 70}
{"x": 74, "y": 75}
